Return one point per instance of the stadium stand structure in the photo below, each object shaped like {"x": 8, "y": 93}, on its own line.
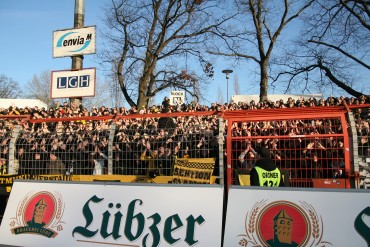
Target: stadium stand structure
{"x": 310, "y": 140}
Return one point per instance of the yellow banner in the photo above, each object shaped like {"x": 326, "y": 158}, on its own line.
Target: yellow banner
{"x": 196, "y": 175}
{"x": 244, "y": 179}
{"x": 193, "y": 171}
{"x": 8, "y": 180}
{"x": 122, "y": 178}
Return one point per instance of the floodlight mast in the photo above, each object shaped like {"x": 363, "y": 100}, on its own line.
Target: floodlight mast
{"x": 227, "y": 72}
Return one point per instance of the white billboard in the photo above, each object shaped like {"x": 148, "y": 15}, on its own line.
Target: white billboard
{"x": 112, "y": 214}
{"x": 275, "y": 97}
{"x": 22, "y": 103}
{"x": 297, "y": 217}
{"x": 73, "y": 83}
{"x": 74, "y": 42}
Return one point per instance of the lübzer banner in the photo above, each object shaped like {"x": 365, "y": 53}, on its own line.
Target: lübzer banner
{"x": 112, "y": 214}
{"x": 74, "y": 42}
{"x": 293, "y": 217}
{"x": 73, "y": 83}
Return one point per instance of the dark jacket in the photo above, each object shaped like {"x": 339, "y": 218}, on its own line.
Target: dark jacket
{"x": 56, "y": 167}
{"x": 266, "y": 164}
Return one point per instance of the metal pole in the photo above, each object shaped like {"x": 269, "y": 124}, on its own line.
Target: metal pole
{"x": 227, "y": 72}
{"x": 77, "y": 61}
{"x": 227, "y": 89}
{"x": 221, "y": 143}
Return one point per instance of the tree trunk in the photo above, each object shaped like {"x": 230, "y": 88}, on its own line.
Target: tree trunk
{"x": 264, "y": 80}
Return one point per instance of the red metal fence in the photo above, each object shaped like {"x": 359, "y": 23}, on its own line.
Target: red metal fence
{"x": 307, "y": 143}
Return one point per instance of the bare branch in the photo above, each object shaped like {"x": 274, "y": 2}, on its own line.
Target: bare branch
{"x": 341, "y": 51}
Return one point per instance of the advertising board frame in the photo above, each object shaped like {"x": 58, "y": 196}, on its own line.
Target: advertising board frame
{"x": 77, "y": 44}
{"x": 126, "y": 214}
{"x": 89, "y": 91}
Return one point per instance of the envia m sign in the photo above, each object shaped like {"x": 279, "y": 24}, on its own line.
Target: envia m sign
{"x": 74, "y": 42}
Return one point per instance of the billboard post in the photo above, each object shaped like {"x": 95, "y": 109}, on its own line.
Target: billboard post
{"x": 77, "y": 61}
{"x": 75, "y": 43}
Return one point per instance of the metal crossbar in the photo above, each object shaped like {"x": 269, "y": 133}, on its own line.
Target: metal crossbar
{"x": 308, "y": 143}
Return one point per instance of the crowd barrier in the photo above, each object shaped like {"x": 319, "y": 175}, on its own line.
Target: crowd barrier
{"x": 307, "y": 143}
{"x": 315, "y": 147}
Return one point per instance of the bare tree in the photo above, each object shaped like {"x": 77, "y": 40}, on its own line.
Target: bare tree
{"x": 334, "y": 50}
{"x": 115, "y": 94}
{"x": 236, "y": 85}
{"x": 9, "y": 88}
{"x": 261, "y": 25}
{"x": 101, "y": 96}
{"x": 39, "y": 88}
{"x": 220, "y": 95}
{"x": 154, "y": 45}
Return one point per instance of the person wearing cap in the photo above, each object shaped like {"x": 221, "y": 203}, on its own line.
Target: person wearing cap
{"x": 56, "y": 165}
{"x": 265, "y": 172}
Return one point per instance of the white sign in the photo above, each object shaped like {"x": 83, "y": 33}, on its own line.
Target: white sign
{"x": 22, "y": 103}
{"x": 293, "y": 217}
{"x": 112, "y": 214}
{"x": 177, "y": 97}
{"x": 275, "y": 97}
{"x": 74, "y": 42}
{"x": 73, "y": 83}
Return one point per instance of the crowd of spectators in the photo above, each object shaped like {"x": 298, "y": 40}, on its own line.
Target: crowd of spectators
{"x": 69, "y": 110}
{"x": 150, "y": 145}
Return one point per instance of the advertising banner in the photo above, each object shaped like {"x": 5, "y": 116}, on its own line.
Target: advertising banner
{"x": 73, "y": 83}
{"x": 111, "y": 214}
{"x": 74, "y": 42}
{"x": 193, "y": 171}
{"x": 297, "y": 217}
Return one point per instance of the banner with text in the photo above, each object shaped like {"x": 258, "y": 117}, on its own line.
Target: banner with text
{"x": 297, "y": 217}
{"x": 74, "y": 42}
{"x": 177, "y": 98}
{"x": 73, "y": 83}
{"x": 43, "y": 214}
{"x": 193, "y": 171}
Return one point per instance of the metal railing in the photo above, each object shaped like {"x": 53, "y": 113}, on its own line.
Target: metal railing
{"x": 308, "y": 143}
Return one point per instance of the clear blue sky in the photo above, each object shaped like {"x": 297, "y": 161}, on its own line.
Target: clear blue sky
{"x": 27, "y": 26}
{"x": 26, "y": 35}
{"x": 26, "y": 41}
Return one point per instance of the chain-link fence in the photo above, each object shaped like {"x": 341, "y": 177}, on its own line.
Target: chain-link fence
{"x": 307, "y": 143}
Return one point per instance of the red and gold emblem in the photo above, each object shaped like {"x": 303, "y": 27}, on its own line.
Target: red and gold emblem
{"x": 282, "y": 223}
{"x": 39, "y": 213}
